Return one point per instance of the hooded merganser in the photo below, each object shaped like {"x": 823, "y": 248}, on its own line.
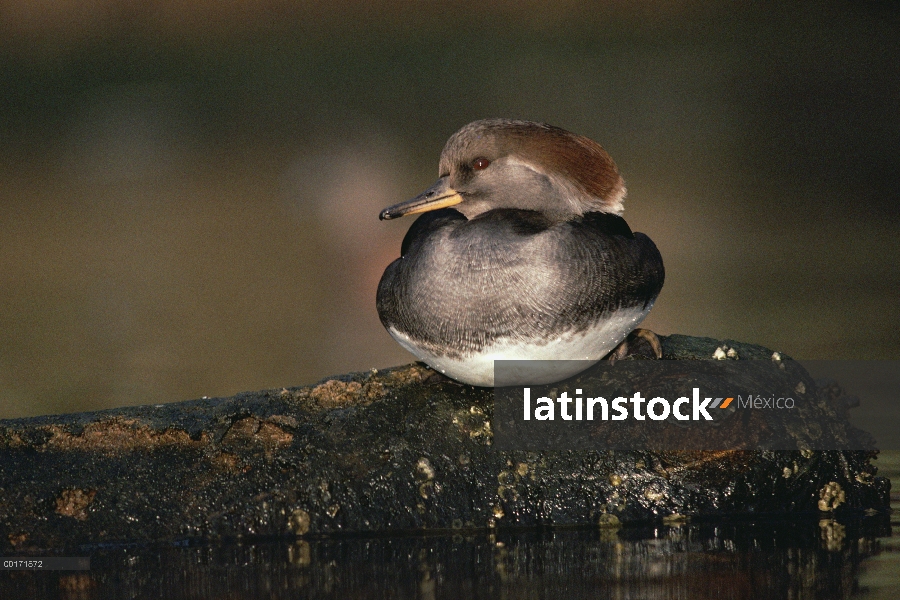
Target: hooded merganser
{"x": 521, "y": 255}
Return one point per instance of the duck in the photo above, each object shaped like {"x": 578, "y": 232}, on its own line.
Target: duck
{"x": 519, "y": 253}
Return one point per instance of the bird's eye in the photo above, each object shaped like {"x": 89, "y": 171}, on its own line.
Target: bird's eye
{"x": 480, "y": 163}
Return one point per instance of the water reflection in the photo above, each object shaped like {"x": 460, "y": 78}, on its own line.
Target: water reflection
{"x": 746, "y": 559}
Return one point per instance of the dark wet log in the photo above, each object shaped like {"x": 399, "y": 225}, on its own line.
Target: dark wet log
{"x": 395, "y": 450}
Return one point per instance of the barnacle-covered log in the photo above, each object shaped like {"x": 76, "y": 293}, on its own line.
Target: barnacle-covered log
{"x": 389, "y": 451}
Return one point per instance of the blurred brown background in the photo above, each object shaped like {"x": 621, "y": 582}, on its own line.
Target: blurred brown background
{"x": 189, "y": 191}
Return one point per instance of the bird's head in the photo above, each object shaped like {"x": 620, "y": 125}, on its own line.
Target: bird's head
{"x": 502, "y": 163}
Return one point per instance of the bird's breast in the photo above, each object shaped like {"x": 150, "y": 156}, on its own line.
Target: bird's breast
{"x": 563, "y": 352}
